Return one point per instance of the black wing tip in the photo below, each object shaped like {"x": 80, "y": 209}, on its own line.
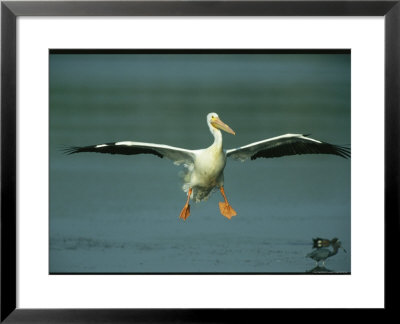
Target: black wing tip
{"x": 340, "y": 150}
{"x": 326, "y": 148}
{"x": 111, "y": 148}
{"x": 343, "y": 151}
{"x": 70, "y": 150}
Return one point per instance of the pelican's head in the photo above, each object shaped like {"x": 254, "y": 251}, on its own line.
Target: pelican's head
{"x": 215, "y": 123}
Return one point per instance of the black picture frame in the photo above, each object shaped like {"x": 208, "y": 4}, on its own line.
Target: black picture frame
{"x": 10, "y": 10}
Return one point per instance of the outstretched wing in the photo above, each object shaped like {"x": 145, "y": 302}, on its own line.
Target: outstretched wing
{"x": 289, "y": 144}
{"x": 176, "y": 154}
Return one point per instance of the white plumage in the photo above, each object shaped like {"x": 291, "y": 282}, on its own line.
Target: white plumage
{"x": 204, "y": 168}
{"x": 206, "y": 171}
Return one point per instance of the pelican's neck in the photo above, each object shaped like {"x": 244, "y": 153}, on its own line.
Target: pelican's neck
{"x": 217, "y": 138}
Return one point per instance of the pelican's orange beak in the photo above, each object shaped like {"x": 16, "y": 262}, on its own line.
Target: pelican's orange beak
{"x": 218, "y": 123}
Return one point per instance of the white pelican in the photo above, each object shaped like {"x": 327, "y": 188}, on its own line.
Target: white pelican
{"x": 205, "y": 167}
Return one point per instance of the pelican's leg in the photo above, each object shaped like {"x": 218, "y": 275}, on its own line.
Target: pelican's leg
{"x": 186, "y": 209}
{"x": 224, "y": 207}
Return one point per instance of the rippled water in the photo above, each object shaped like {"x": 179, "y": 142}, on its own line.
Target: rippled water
{"x": 120, "y": 214}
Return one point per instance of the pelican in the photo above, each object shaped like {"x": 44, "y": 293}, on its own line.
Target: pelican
{"x": 204, "y": 168}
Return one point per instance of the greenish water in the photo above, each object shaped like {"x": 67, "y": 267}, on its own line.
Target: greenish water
{"x": 120, "y": 214}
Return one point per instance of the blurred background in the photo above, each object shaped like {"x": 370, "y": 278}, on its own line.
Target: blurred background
{"x": 120, "y": 214}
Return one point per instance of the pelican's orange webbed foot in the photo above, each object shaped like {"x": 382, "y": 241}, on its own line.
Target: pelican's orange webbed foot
{"x": 186, "y": 209}
{"x": 185, "y": 212}
{"x": 225, "y": 208}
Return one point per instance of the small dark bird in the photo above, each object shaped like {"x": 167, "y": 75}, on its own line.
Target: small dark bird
{"x": 321, "y": 254}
